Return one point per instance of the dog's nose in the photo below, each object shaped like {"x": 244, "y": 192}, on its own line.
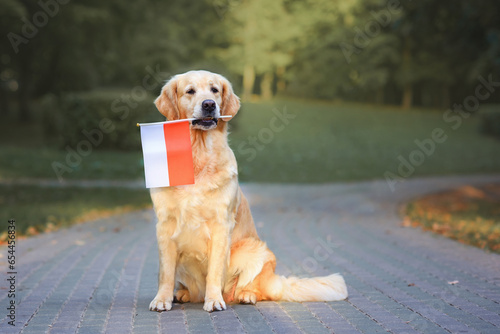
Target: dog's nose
{"x": 208, "y": 105}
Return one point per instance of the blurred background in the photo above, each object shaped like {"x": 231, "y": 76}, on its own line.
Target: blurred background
{"x": 332, "y": 91}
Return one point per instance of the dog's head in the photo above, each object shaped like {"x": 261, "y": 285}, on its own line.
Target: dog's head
{"x": 198, "y": 94}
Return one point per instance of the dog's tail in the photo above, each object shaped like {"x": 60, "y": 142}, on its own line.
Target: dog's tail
{"x": 326, "y": 288}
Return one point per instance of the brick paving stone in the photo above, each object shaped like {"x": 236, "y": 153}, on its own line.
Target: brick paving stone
{"x": 147, "y": 329}
{"x": 251, "y": 319}
{"x": 99, "y": 277}
{"x": 331, "y": 319}
{"x": 277, "y": 318}
{"x": 90, "y": 329}
{"x": 226, "y": 322}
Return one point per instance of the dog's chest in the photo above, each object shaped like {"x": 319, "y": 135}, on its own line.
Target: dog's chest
{"x": 192, "y": 244}
{"x": 191, "y": 212}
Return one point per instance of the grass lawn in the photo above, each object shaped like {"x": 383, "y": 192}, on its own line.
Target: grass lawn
{"x": 33, "y": 162}
{"x": 469, "y": 215}
{"x": 325, "y": 142}
{"x": 328, "y": 142}
{"x": 37, "y": 209}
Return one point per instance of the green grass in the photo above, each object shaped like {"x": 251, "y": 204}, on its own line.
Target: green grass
{"x": 25, "y": 154}
{"x": 329, "y": 142}
{"x": 37, "y": 209}
{"x": 326, "y": 142}
{"x": 22, "y": 162}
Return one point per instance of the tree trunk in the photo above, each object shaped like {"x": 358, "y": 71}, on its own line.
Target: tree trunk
{"x": 266, "y": 89}
{"x": 445, "y": 96}
{"x": 23, "y": 95}
{"x": 4, "y": 104}
{"x": 281, "y": 84}
{"x": 248, "y": 82}
{"x": 407, "y": 96}
{"x": 408, "y": 84}
{"x": 379, "y": 96}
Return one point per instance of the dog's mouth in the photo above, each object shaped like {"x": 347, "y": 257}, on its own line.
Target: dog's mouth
{"x": 205, "y": 123}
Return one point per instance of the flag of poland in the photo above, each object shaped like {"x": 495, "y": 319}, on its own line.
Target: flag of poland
{"x": 168, "y": 159}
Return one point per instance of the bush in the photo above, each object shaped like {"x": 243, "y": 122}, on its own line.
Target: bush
{"x": 490, "y": 121}
{"x": 73, "y": 117}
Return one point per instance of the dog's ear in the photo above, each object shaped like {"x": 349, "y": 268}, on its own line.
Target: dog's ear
{"x": 167, "y": 101}
{"x": 230, "y": 102}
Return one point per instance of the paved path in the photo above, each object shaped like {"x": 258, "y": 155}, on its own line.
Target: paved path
{"x": 100, "y": 276}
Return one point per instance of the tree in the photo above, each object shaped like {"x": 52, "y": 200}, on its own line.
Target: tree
{"x": 260, "y": 34}
{"x": 412, "y": 53}
{"x": 444, "y": 42}
{"x": 351, "y": 53}
{"x": 85, "y": 44}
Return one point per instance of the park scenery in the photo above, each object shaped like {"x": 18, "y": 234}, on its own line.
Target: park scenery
{"x": 341, "y": 93}
{"x": 331, "y": 92}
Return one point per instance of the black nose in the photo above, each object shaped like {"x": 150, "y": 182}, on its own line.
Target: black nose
{"x": 208, "y": 105}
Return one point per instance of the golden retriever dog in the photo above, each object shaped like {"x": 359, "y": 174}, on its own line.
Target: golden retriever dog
{"x": 209, "y": 249}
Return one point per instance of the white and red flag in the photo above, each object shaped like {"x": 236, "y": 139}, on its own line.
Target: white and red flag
{"x": 168, "y": 158}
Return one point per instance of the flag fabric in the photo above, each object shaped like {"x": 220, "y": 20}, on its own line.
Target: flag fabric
{"x": 168, "y": 158}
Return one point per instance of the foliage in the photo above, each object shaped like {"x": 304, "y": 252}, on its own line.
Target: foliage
{"x": 365, "y": 51}
{"x": 343, "y": 61}
{"x": 469, "y": 215}
{"x": 86, "y": 44}
{"x": 104, "y": 118}
{"x": 261, "y": 35}
{"x": 424, "y": 53}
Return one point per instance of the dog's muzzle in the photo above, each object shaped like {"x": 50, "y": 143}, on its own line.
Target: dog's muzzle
{"x": 208, "y": 121}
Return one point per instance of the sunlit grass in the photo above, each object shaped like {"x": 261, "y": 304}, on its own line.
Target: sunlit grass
{"x": 468, "y": 215}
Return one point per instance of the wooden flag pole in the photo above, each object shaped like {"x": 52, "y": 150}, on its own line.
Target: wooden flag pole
{"x": 177, "y": 121}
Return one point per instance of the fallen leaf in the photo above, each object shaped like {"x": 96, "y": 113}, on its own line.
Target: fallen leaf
{"x": 406, "y": 222}
{"x": 472, "y": 192}
{"x": 31, "y": 231}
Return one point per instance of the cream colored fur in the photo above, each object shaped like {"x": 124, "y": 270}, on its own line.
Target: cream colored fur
{"x": 208, "y": 246}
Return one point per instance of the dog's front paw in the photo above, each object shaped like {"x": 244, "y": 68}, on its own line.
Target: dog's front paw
{"x": 212, "y": 304}
{"x": 159, "y": 304}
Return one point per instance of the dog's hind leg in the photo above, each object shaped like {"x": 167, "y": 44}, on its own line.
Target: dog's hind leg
{"x": 182, "y": 294}
{"x": 263, "y": 287}
{"x": 253, "y": 263}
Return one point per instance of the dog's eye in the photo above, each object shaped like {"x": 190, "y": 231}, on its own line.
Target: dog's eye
{"x": 215, "y": 90}
{"x": 191, "y": 91}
